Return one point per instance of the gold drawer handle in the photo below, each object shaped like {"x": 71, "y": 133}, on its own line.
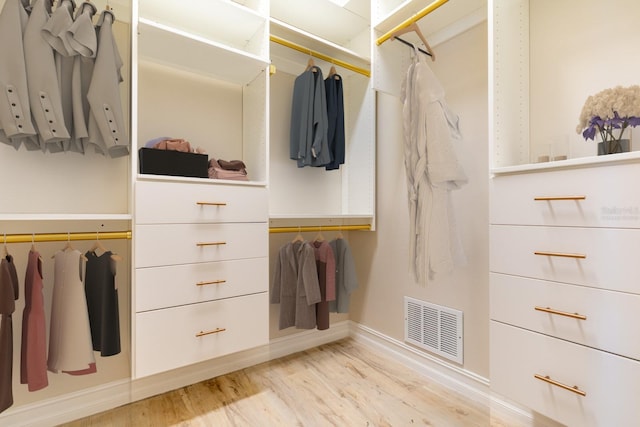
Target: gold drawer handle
{"x": 211, "y": 203}
{"x": 213, "y": 282}
{"x": 215, "y": 331}
{"x": 560, "y": 254}
{"x": 574, "y": 389}
{"x": 211, "y": 243}
{"x": 550, "y": 198}
{"x": 561, "y": 313}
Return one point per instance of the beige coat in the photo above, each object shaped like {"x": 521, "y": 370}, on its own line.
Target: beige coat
{"x": 15, "y": 113}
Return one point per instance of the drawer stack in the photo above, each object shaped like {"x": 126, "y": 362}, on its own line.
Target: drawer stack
{"x": 202, "y": 269}
{"x": 565, "y": 293}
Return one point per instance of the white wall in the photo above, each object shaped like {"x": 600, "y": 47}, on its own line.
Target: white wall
{"x": 382, "y": 256}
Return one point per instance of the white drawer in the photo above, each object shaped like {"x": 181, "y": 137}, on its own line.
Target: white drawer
{"x": 521, "y": 302}
{"x": 171, "y": 244}
{"x": 169, "y": 338}
{"x": 160, "y": 287}
{"x": 611, "y": 255}
{"x": 176, "y": 202}
{"x": 607, "y": 202}
{"x": 609, "y": 381}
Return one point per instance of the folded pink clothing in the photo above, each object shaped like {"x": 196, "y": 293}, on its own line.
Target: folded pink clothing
{"x": 217, "y": 172}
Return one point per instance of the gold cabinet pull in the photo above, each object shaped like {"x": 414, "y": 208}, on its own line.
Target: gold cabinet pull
{"x": 215, "y": 331}
{"x": 212, "y": 282}
{"x": 561, "y": 313}
{"x": 560, "y": 254}
{"x": 551, "y": 198}
{"x": 211, "y": 203}
{"x": 210, "y": 243}
{"x": 574, "y": 389}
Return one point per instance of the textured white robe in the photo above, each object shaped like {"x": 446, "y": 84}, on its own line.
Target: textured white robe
{"x": 432, "y": 171}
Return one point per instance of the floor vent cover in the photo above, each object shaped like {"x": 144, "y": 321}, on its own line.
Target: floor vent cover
{"x": 434, "y": 328}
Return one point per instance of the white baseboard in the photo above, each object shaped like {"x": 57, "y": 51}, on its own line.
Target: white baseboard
{"x": 90, "y": 401}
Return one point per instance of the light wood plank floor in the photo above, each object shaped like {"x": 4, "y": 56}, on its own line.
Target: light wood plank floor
{"x": 339, "y": 384}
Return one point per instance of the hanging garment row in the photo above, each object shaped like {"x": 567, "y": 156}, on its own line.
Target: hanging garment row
{"x": 84, "y": 316}
{"x": 60, "y": 75}
{"x": 311, "y": 280}
{"x": 317, "y": 136}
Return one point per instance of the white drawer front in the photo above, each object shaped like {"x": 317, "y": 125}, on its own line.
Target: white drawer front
{"x": 167, "y": 339}
{"x": 174, "y": 202}
{"x": 611, "y": 255}
{"x": 607, "y": 202}
{"x": 160, "y": 287}
{"x": 594, "y": 317}
{"x": 158, "y": 245}
{"x": 609, "y": 381}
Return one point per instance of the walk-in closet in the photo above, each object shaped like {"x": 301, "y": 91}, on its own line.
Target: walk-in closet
{"x": 259, "y": 178}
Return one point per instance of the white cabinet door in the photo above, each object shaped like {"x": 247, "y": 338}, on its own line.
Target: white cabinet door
{"x": 594, "y": 317}
{"x": 169, "y": 286}
{"x": 596, "y": 257}
{"x": 178, "y": 202}
{"x": 174, "y": 337}
{"x": 610, "y": 382}
{"x": 594, "y": 197}
{"x": 173, "y": 244}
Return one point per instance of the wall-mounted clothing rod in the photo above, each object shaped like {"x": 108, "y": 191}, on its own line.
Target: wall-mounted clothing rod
{"x": 64, "y": 237}
{"x": 415, "y": 18}
{"x": 307, "y": 228}
{"x": 319, "y": 55}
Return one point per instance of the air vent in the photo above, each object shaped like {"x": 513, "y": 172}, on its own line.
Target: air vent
{"x": 435, "y": 328}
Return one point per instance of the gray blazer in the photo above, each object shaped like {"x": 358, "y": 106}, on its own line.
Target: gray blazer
{"x": 44, "y": 91}
{"x": 309, "y": 144}
{"x": 106, "y": 120}
{"x": 295, "y": 285}
{"x": 15, "y": 113}
{"x": 346, "y": 279}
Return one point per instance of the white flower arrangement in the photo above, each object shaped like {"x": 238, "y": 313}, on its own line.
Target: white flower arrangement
{"x": 609, "y": 113}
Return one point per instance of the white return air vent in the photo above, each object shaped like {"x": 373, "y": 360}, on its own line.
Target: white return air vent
{"x": 434, "y": 328}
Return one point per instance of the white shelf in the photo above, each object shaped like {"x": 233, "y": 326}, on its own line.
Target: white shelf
{"x": 64, "y": 217}
{"x": 609, "y": 159}
{"x": 179, "y": 49}
{"x": 207, "y": 181}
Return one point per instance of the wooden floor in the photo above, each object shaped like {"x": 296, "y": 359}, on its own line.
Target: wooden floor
{"x": 339, "y": 384}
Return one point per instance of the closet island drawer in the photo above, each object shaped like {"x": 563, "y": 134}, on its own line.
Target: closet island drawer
{"x": 574, "y": 197}
{"x": 609, "y": 382}
{"x": 598, "y": 257}
{"x": 178, "y": 202}
{"x": 171, "y": 244}
{"x": 593, "y": 317}
{"x": 174, "y": 337}
{"x": 160, "y": 287}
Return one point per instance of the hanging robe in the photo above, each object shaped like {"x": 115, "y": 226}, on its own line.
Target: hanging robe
{"x": 432, "y": 172}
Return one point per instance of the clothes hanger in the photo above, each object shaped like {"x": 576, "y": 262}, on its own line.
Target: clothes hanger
{"x": 33, "y": 241}
{"x": 6, "y": 252}
{"x": 319, "y": 237}
{"x": 415, "y": 28}
{"x": 298, "y": 237}
{"x": 310, "y": 64}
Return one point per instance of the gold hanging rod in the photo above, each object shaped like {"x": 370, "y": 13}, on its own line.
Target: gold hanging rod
{"x": 306, "y": 228}
{"x": 415, "y": 18}
{"x": 63, "y": 237}
{"x": 319, "y": 55}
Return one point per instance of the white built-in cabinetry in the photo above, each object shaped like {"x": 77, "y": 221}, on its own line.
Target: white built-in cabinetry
{"x": 564, "y": 279}
{"x": 201, "y": 245}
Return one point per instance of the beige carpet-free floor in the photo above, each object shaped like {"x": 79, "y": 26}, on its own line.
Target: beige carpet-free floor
{"x": 344, "y": 384}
